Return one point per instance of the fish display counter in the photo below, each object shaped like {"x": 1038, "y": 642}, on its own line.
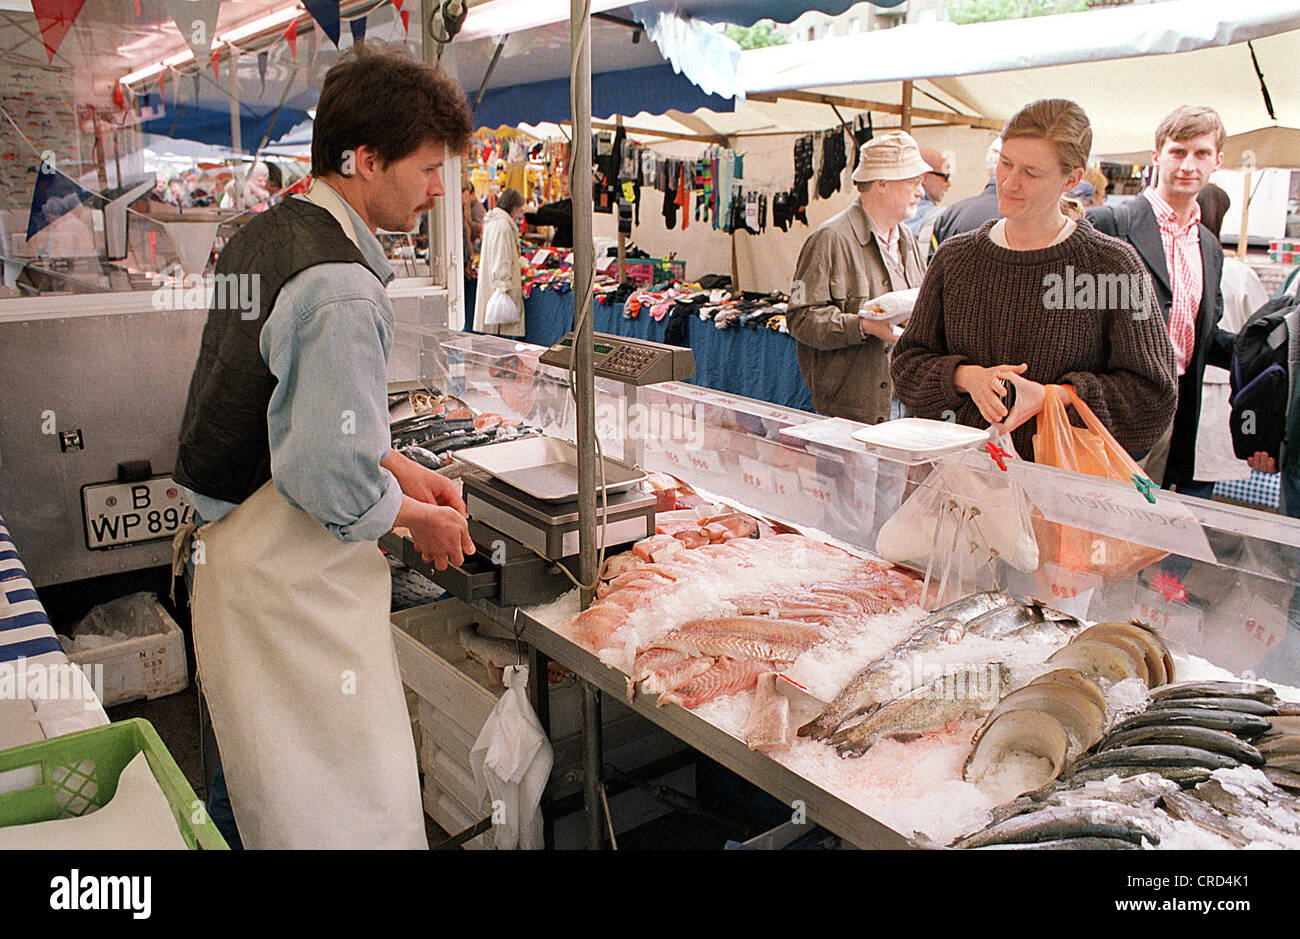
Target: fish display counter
{"x": 922, "y": 644}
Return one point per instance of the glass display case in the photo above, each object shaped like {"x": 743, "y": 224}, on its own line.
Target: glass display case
{"x": 1217, "y": 579}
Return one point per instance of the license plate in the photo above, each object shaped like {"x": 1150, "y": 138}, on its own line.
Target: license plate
{"x": 127, "y": 513}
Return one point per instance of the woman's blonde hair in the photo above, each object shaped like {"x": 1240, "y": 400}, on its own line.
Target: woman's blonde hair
{"x": 1060, "y": 121}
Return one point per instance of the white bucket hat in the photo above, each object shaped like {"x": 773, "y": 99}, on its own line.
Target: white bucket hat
{"x": 890, "y": 156}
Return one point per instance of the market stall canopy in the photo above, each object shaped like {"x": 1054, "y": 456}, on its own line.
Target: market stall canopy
{"x": 1099, "y": 58}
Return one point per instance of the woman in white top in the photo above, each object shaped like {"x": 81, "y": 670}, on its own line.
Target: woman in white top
{"x": 1243, "y": 294}
{"x": 498, "y": 265}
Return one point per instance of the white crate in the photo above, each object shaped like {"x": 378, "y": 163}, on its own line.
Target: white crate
{"x": 143, "y": 667}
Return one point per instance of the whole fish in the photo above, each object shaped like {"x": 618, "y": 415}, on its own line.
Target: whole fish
{"x": 1187, "y": 735}
{"x": 1234, "y": 722}
{"x": 1067, "y": 844}
{"x": 923, "y": 709}
{"x": 1244, "y": 705}
{"x": 1022, "y": 620}
{"x": 1283, "y": 779}
{"x": 1156, "y": 754}
{"x": 1056, "y": 824}
{"x": 1204, "y": 816}
{"x": 970, "y": 606}
{"x": 878, "y": 683}
{"x": 1214, "y": 689}
{"x": 1182, "y": 775}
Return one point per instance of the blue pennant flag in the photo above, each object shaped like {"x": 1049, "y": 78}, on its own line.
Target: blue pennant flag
{"x": 55, "y": 195}
{"x": 358, "y": 27}
{"x": 326, "y": 13}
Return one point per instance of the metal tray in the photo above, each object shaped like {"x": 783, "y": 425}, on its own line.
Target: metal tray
{"x": 544, "y": 467}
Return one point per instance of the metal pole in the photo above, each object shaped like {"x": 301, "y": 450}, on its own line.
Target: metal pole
{"x": 584, "y": 385}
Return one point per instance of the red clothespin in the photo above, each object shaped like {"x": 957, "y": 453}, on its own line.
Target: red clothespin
{"x": 998, "y": 454}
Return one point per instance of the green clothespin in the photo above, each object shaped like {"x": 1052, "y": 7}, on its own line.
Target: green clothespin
{"x": 1144, "y": 486}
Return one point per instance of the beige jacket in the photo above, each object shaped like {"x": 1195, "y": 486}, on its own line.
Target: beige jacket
{"x": 839, "y": 267}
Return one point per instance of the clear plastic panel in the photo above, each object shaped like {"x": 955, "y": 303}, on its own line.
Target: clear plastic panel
{"x": 1219, "y": 580}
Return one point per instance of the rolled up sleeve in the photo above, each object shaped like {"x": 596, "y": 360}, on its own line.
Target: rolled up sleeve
{"x": 326, "y": 342}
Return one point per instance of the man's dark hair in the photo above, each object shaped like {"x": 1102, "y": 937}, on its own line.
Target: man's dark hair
{"x": 510, "y": 200}
{"x": 380, "y": 96}
{"x": 1214, "y": 204}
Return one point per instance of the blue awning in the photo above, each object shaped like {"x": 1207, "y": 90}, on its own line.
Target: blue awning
{"x": 212, "y": 125}
{"x": 749, "y": 12}
{"x": 655, "y": 89}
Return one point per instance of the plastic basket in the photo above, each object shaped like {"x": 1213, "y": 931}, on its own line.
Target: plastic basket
{"x": 79, "y": 773}
{"x": 650, "y": 271}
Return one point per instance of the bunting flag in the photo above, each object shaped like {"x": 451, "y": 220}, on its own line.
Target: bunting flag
{"x": 55, "y": 18}
{"x": 398, "y": 4}
{"x": 197, "y": 21}
{"x": 358, "y": 27}
{"x": 216, "y": 57}
{"x": 162, "y": 90}
{"x": 326, "y": 13}
{"x": 119, "y": 99}
{"x": 193, "y": 243}
{"x": 291, "y": 34}
{"x": 54, "y": 196}
{"x": 406, "y": 20}
{"x": 137, "y": 9}
{"x": 197, "y": 76}
{"x": 262, "y": 58}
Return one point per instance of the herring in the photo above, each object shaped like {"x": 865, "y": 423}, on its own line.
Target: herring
{"x": 1062, "y": 823}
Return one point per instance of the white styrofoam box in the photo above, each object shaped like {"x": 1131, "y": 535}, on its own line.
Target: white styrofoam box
{"x": 445, "y": 734}
{"x": 457, "y": 779}
{"x": 143, "y": 667}
{"x": 451, "y": 816}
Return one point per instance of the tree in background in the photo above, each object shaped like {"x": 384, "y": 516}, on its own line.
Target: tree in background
{"x": 985, "y": 11}
{"x": 761, "y": 34}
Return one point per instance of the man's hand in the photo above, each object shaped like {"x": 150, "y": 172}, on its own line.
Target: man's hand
{"x": 1261, "y": 462}
{"x": 878, "y": 328}
{"x": 987, "y": 389}
{"x": 440, "y": 532}
{"x": 421, "y": 483}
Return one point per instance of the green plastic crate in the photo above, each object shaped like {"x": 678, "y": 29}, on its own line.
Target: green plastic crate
{"x": 79, "y": 772}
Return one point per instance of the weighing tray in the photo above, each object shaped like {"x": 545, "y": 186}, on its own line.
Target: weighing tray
{"x": 544, "y": 467}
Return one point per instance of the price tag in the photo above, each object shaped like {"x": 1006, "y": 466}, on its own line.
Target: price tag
{"x": 675, "y": 458}
{"x": 1265, "y": 624}
{"x": 817, "y": 486}
{"x": 1180, "y": 621}
{"x": 705, "y": 461}
{"x": 1063, "y": 583}
{"x": 784, "y": 482}
{"x": 755, "y": 476}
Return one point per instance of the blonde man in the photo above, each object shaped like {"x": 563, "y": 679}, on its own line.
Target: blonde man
{"x": 1186, "y": 264}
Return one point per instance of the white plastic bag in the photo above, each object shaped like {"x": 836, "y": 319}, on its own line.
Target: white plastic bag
{"x": 501, "y": 310}
{"x": 894, "y": 307}
{"x": 512, "y": 760}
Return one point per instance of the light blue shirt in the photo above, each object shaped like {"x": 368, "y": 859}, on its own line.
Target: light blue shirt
{"x": 924, "y": 209}
{"x": 327, "y": 341}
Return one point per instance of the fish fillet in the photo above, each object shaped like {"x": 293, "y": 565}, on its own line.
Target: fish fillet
{"x": 767, "y": 726}
{"x": 749, "y": 637}
{"x": 726, "y": 676}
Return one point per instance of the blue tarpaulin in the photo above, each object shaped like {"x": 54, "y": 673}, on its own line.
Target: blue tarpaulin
{"x": 655, "y": 89}
{"x": 212, "y": 125}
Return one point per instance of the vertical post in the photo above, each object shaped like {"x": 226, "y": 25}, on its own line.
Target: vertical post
{"x": 236, "y": 132}
{"x": 539, "y": 694}
{"x": 1247, "y": 164}
{"x": 907, "y": 107}
{"x": 584, "y": 383}
{"x": 622, "y": 239}
{"x": 443, "y": 222}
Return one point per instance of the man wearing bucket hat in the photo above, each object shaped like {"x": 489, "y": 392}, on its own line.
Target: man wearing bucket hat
{"x": 860, "y": 254}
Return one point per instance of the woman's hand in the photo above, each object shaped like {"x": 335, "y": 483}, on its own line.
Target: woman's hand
{"x": 987, "y": 388}
{"x": 1030, "y": 396}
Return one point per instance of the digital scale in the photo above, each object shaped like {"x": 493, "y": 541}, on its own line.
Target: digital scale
{"x": 631, "y": 361}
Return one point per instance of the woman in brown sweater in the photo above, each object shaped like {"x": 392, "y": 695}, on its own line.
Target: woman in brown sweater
{"x": 1036, "y": 298}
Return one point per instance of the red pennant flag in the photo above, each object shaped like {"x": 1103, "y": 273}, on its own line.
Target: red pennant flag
{"x": 162, "y": 91}
{"x": 118, "y": 98}
{"x": 137, "y": 9}
{"x": 406, "y": 19}
{"x": 398, "y": 4}
{"x": 291, "y": 34}
{"x": 216, "y": 57}
{"x": 55, "y": 18}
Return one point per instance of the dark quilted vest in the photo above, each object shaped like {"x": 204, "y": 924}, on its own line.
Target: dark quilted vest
{"x": 224, "y": 451}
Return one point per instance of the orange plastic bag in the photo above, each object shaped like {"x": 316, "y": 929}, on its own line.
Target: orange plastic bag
{"x": 1091, "y": 450}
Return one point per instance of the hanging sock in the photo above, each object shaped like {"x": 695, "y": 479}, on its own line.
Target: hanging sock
{"x": 684, "y": 197}
{"x": 670, "y": 196}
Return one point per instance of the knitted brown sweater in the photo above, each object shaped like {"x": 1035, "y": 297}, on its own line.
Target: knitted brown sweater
{"x": 1079, "y": 313}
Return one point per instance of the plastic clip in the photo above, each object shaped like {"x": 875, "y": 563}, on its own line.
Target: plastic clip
{"x": 1144, "y": 486}
{"x": 999, "y": 455}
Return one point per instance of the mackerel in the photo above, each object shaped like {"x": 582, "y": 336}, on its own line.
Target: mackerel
{"x": 1187, "y": 735}
{"x": 1061, "y": 823}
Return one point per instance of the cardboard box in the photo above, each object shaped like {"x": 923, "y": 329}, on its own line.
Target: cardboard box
{"x": 144, "y": 667}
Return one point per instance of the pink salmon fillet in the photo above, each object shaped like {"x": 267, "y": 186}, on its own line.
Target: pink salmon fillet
{"x": 726, "y": 676}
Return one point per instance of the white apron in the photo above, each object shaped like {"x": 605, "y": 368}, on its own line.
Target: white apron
{"x": 291, "y": 635}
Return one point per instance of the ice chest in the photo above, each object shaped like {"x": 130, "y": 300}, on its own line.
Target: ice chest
{"x": 141, "y": 667}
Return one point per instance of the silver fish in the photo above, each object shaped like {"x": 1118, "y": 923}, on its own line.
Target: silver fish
{"x": 878, "y": 683}
{"x": 1156, "y": 755}
{"x": 1054, "y": 824}
{"x": 1187, "y": 735}
{"x": 1234, "y": 722}
{"x": 970, "y": 606}
{"x": 1022, "y": 619}
{"x": 1090, "y": 843}
{"x": 925, "y": 709}
{"x": 1244, "y": 705}
{"x": 1214, "y": 689}
{"x": 1204, "y": 816}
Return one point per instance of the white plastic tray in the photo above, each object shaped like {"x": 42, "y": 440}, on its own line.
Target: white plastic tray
{"x": 919, "y": 438}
